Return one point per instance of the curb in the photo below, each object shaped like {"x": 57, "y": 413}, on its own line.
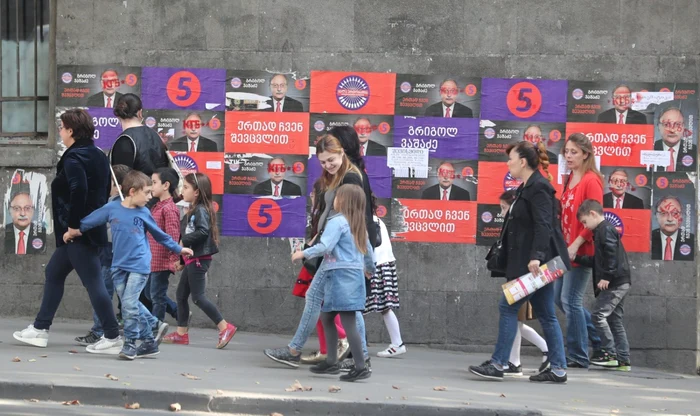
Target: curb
{"x": 252, "y": 404}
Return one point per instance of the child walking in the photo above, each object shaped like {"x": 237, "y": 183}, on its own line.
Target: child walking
{"x": 129, "y": 221}
{"x": 348, "y": 258}
{"x": 525, "y": 314}
{"x": 611, "y": 282}
{"x": 199, "y": 232}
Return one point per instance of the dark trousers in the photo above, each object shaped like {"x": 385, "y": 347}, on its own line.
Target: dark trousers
{"x": 85, "y": 261}
{"x": 193, "y": 280}
{"x": 157, "y": 292}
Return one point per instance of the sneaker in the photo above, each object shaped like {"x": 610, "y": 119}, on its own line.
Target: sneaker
{"x": 604, "y": 359}
{"x": 147, "y": 349}
{"x": 574, "y": 364}
{"x": 548, "y": 376}
{"x": 622, "y": 366}
{"x": 343, "y": 349}
{"x": 512, "y": 370}
{"x": 226, "y": 335}
{"x": 33, "y": 336}
{"x": 128, "y": 351}
{"x": 487, "y": 370}
{"x": 88, "y": 339}
{"x": 313, "y": 358}
{"x": 283, "y": 356}
{"x": 545, "y": 364}
{"x": 348, "y": 364}
{"x": 324, "y": 368}
{"x": 106, "y": 346}
{"x": 160, "y": 331}
{"x": 392, "y": 351}
{"x": 355, "y": 375}
{"x": 176, "y": 338}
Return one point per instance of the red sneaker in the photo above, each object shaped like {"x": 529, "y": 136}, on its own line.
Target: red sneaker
{"x": 176, "y": 338}
{"x": 226, "y": 335}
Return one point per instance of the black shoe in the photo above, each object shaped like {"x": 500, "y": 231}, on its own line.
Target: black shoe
{"x": 348, "y": 364}
{"x": 88, "y": 339}
{"x": 548, "y": 376}
{"x": 545, "y": 364}
{"x": 354, "y": 375}
{"x": 284, "y": 356}
{"x": 574, "y": 364}
{"x": 487, "y": 370}
{"x": 512, "y": 370}
{"x": 325, "y": 368}
{"x": 604, "y": 359}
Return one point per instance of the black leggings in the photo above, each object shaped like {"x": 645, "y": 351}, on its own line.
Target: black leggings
{"x": 354, "y": 337}
{"x": 193, "y": 280}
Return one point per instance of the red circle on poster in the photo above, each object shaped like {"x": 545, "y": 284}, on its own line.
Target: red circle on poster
{"x": 524, "y": 99}
{"x": 298, "y": 167}
{"x": 555, "y": 135}
{"x": 183, "y": 88}
{"x": 131, "y": 80}
{"x": 381, "y": 211}
{"x": 467, "y": 171}
{"x": 384, "y": 127}
{"x": 300, "y": 84}
{"x": 470, "y": 90}
{"x": 640, "y": 180}
{"x": 215, "y": 206}
{"x": 214, "y": 123}
{"x": 264, "y": 216}
{"x": 662, "y": 182}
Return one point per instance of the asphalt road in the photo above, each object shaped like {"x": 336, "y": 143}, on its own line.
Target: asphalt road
{"x": 25, "y": 408}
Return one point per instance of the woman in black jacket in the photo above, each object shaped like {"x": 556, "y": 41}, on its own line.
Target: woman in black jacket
{"x": 532, "y": 237}
{"x": 81, "y": 186}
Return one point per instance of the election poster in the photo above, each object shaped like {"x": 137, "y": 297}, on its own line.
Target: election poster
{"x": 352, "y": 92}
{"x": 264, "y": 174}
{"x": 494, "y": 179}
{"x": 266, "y": 91}
{"x": 426, "y": 221}
{"x": 186, "y": 130}
{"x": 523, "y": 99}
{"x": 183, "y": 88}
{"x": 618, "y": 103}
{"x": 674, "y": 217}
{"x": 95, "y": 86}
{"x": 208, "y": 163}
{"x": 261, "y": 216}
{"x": 267, "y": 133}
{"x": 447, "y": 138}
{"x": 489, "y": 224}
{"x": 616, "y": 145}
{"x": 496, "y": 136}
{"x": 107, "y": 127}
{"x": 448, "y": 180}
{"x": 376, "y": 132}
{"x": 26, "y": 215}
{"x": 626, "y": 205}
{"x": 378, "y": 172}
{"x": 437, "y": 96}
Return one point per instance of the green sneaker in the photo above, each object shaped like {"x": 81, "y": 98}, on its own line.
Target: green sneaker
{"x": 604, "y": 359}
{"x": 623, "y": 366}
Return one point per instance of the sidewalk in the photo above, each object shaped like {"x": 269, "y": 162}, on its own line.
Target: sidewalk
{"x": 240, "y": 379}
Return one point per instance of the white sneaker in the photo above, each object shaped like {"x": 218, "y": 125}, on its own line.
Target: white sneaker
{"x": 33, "y": 336}
{"x": 106, "y": 346}
{"x": 392, "y": 351}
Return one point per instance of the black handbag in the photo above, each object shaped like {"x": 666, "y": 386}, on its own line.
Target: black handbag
{"x": 312, "y": 265}
{"x": 496, "y": 257}
{"x": 378, "y": 241}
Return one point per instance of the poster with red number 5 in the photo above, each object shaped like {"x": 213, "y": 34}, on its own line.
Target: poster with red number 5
{"x": 523, "y": 99}
{"x": 180, "y": 88}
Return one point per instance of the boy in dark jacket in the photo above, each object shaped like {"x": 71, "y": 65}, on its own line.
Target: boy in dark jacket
{"x": 611, "y": 282}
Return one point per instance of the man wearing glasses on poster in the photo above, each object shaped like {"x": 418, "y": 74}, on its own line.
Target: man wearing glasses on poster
{"x": 281, "y": 103}
{"x": 669, "y": 241}
{"x": 448, "y": 107}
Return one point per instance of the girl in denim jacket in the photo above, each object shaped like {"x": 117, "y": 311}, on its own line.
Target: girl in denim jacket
{"x": 348, "y": 259}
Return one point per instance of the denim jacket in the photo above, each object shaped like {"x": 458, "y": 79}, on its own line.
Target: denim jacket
{"x": 338, "y": 248}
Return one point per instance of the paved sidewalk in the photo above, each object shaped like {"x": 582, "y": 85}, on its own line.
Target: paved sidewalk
{"x": 240, "y": 379}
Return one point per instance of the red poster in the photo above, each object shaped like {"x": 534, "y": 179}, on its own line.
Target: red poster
{"x": 352, "y": 92}
{"x": 633, "y": 225}
{"x": 435, "y": 221}
{"x": 494, "y": 179}
{"x": 266, "y": 132}
{"x": 616, "y": 144}
{"x": 208, "y": 163}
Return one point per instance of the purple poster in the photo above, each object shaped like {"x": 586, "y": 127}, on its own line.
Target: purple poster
{"x": 378, "y": 172}
{"x": 523, "y": 99}
{"x": 447, "y": 138}
{"x": 107, "y": 127}
{"x": 180, "y": 88}
{"x": 249, "y": 216}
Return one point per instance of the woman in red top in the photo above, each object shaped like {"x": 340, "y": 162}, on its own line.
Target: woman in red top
{"x": 584, "y": 182}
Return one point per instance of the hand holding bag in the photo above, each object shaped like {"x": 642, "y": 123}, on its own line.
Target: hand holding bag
{"x": 496, "y": 257}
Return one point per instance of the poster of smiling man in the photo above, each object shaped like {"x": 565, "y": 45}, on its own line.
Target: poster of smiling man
{"x": 26, "y": 215}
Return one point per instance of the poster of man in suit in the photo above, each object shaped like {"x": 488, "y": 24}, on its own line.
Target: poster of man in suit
{"x": 673, "y": 136}
{"x": 188, "y": 131}
{"x": 436, "y": 96}
{"x": 673, "y": 220}
{"x": 376, "y": 132}
{"x": 26, "y": 214}
{"x": 266, "y": 175}
{"x": 265, "y": 91}
{"x": 628, "y": 188}
{"x": 96, "y": 86}
{"x": 622, "y": 112}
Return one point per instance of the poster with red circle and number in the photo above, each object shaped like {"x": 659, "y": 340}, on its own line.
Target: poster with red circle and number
{"x": 523, "y": 99}
{"x": 183, "y": 88}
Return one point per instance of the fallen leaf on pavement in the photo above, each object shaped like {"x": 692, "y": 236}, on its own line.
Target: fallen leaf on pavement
{"x": 133, "y": 406}
{"x": 72, "y": 403}
{"x": 440, "y": 388}
{"x": 126, "y": 384}
{"x": 175, "y": 407}
{"x": 403, "y": 398}
{"x": 16, "y": 360}
{"x": 190, "y": 376}
{"x": 388, "y": 397}
{"x": 32, "y": 360}
{"x": 276, "y": 414}
{"x": 76, "y": 368}
{"x": 43, "y": 356}
{"x": 297, "y": 387}
{"x": 503, "y": 395}
{"x": 615, "y": 411}
{"x": 34, "y": 400}
{"x": 396, "y": 387}
{"x": 111, "y": 377}
{"x": 257, "y": 382}
{"x": 333, "y": 389}
{"x": 72, "y": 352}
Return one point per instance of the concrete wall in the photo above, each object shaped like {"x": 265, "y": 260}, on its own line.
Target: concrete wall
{"x": 447, "y": 298}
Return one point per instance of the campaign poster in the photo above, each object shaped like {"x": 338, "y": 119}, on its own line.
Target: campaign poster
{"x": 673, "y": 216}
{"x": 383, "y": 212}
{"x": 376, "y": 132}
{"x": 218, "y": 204}
{"x": 437, "y": 96}
{"x": 267, "y": 133}
{"x": 496, "y": 136}
{"x": 675, "y": 132}
{"x": 183, "y": 88}
{"x": 208, "y": 163}
{"x": 489, "y": 224}
{"x": 95, "y": 86}
{"x": 626, "y": 188}
{"x": 265, "y": 174}
{"x": 633, "y": 227}
{"x": 523, "y": 99}
{"x": 266, "y": 91}
{"x": 616, "y": 145}
{"x": 378, "y": 172}
{"x": 107, "y": 127}
{"x": 186, "y": 130}
{"x": 352, "y": 92}
{"x": 260, "y": 216}
{"x": 448, "y": 180}
{"x": 447, "y": 138}
{"x": 613, "y": 102}
{"x": 26, "y": 214}
{"x": 424, "y": 221}
{"x": 495, "y": 179}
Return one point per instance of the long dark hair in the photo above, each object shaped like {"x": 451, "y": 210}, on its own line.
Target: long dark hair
{"x": 351, "y": 144}
{"x": 200, "y": 182}
{"x": 317, "y": 206}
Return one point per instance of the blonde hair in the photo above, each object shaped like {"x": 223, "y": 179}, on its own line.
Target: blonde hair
{"x": 331, "y": 144}
{"x": 352, "y": 204}
{"x": 582, "y": 142}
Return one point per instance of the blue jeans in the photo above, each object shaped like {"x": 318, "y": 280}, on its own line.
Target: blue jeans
{"x": 569, "y": 292}
{"x": 138, "y": 322}
{"x": 109, "y": 285}
{"x": 312, "y": 311}
{"x": 157, "y": 292}
{"x": 542, "y": 302}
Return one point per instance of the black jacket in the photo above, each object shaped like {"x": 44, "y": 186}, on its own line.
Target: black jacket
{"x": 628, "y": 202}
{"x": 458, "y": 111}
{"x": 456, "y": 193}
{"x": 182, "y": 144}
{"x": 534, "y": 228}
{"x": 150, "y": 150}
{"x": 633, "y": 117}
{"x": 196, "y": 233}
{"x": 82, "y": 185}
{"x": 610, "y": 260}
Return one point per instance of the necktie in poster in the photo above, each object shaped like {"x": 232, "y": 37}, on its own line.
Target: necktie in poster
{"x": 674, "y": 217}
{"x": 26, "y": 214}
{"x": 265, "y": 91}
